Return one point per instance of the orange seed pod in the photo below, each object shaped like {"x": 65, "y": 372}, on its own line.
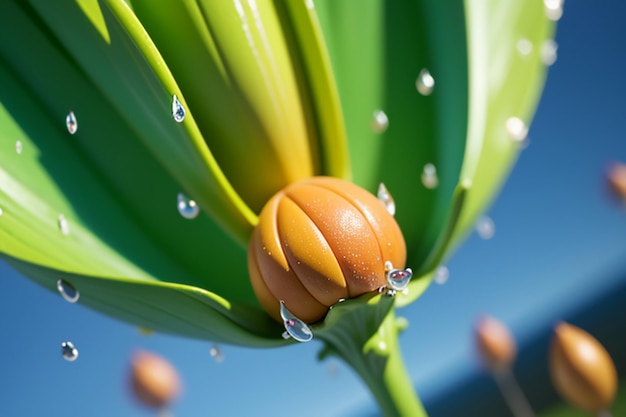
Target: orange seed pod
{"x": 582, "y": 370}
{"x": 495, "y": 343}
{"x": 318, "y": 241}
{"x": 154, "y": 381}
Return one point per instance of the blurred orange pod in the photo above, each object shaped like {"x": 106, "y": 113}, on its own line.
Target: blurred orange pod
{"x": 616, "y": 175}
{"x": 495, "y": 343}
{"x": 582, "y": 370}
{"x": 154, "y": 381}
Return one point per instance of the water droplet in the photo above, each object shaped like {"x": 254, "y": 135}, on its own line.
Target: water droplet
{"x": 425, "y": 83}
{"x": 485, "y": 227}
{"x": 524, "y": 47}
{"x": 187, "y": 207}
{"x": 294, "y": 327}
{"x": 68, "y": 291}
{"x": 516, "y": 128}
{"x": 548, "y": 52}
{"x": 69, "y": 352}
{"x": 217, "y": 353}
{"x": 71, "y": 123}
{"x": 398, "y": 279}
{"x": 1, "y": 212}
{"x": 64, "y": 226}
{"x": 429, "y": 176}
{"x": 380, "y": 122}
{"x": 18, "y": 147}
{"x": 333, "y": 369}
{"x": 386, "y": 199}
{"x": 441, "y": 275}
{"x": 554, "y": 9}
{"x": 178, "y": 111}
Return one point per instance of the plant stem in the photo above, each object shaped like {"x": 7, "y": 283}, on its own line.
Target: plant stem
{"x": 377, "y": 359}
{"x": 513, "y": 394}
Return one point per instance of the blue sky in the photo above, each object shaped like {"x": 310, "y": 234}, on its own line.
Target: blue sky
{"x": 559, "y": 235}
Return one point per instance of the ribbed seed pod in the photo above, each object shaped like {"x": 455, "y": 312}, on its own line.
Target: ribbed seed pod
{"x": 318, "y": 241}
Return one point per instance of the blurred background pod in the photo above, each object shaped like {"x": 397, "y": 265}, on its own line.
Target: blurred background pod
{"x": 122, "y": 169}
{"x": 495, "y": 344}
{"x": 153, "y": 380}
{"x": 582, "y": 370}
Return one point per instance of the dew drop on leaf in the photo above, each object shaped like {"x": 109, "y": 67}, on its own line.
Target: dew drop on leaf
{"x": 187, "y": 207}
{"x": 1, "y": 212}
{"x": 294, "y": 327}
{"x": 64, "y": 226}
{"x": 548, "y": 52}
{"x": 429, "y": 176}
{"x": 386, "y": 198}
{"x": 554, "y": 9}
{"x": 516, "y": 129}
{"x": 398, "y": 279}
{"x": 178, "y": 111}
{"x": 18, "y": 147}
{"x": 68, "y": 291}
{"x": 71, "y": 123}
{"x": 69, "y": 352}
{"x": 425, "y": 83}
{"x": 524, "y": 47}
{"x": 380, "y": 122}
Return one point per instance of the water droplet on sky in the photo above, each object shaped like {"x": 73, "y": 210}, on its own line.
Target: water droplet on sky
{"x": 429, "y": 176}
{"x": 425, "y": 83}
{"x": 178, "y": 111}
{"x": 516, "y": 129}
{"x": 548, "y": 52}
{"x": 187, "y": 207}
{"x": 69, "y": 352}
{"x": 380, "y": 122}
{"x": 441, "y": 275}
{"x": 333, "y": 369}
{"x": 485, "y": 227}
{"x": 71, "y": 123}
{"x": 386, "y": 199}
{"x": 217, "y": 353}
{"x": 524, "y": 47}
{"x": 18, "y": 147}
{"x": 295, "y": 327}
{"x": 68, "y": 291}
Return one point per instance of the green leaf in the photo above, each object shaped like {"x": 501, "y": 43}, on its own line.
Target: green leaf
{"x": 110, "y": 181}
{"x": 481, "y": 80}
{"x": 378, "y": 51}
{"x": 249, "y": 88}
{"x": 165, "y": 307}
{"x": 504, "y": 83}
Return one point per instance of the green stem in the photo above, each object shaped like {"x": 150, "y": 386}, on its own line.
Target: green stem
{"x": 378, "y": 361}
